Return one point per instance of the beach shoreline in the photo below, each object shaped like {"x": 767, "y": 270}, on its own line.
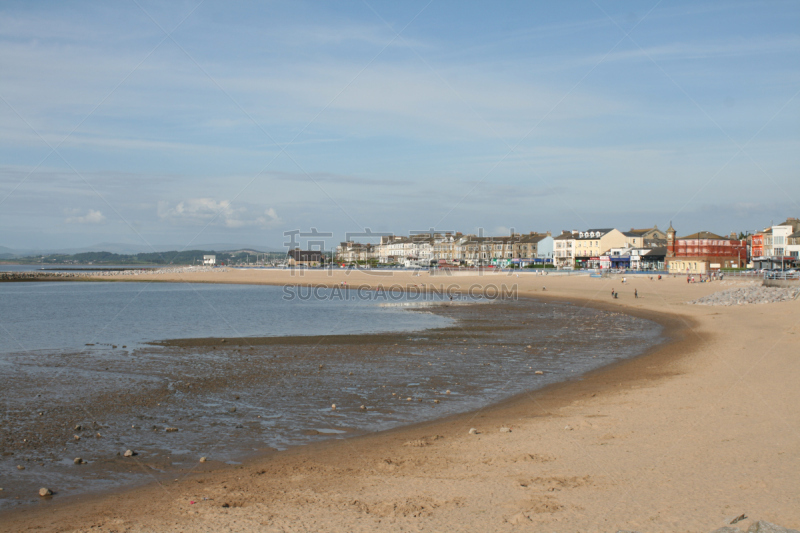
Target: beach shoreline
{"x": 559, "y": 502}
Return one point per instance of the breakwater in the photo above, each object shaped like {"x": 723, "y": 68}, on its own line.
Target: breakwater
{"x": 84, "y": 275}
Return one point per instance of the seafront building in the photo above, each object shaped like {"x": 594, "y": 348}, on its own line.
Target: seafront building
{"x": 564, "y": 249}
{"x": 298, "y": 257}
{"x": 646, "y": 238}
{"x": 702, "y": 252}
{"x": 773, "y": 246}
{"x": 594, "y": 248}
{"x": 591, "y": 244}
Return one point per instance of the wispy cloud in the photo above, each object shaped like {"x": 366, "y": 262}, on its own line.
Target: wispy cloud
{"x": 202, "y": 211}
{"x": 91, "y": 217}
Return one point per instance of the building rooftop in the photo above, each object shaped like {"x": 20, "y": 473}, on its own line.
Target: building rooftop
{"x": 705, "y": 235}
{"x": 305, "y": 255}
{"x": 592, "y": 233}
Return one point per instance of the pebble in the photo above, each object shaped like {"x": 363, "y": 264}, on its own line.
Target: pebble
{"x": 435, "y": 401}
{"x": 473, "y": 431}
{"x": 129, "y": 453}
{"x": 20, "y": 467}
{"x": 78, "y": 427}
{"x": 447, "y": 391}
{"x": 44, "y": 491}
{"x": 76, "y": 437}
{"x": 333, "y": 406}
{"x": 171, "y": 430}
{"x": 539, "y": 372}
{"x": 78, "y": 461}
{"x": 505, "y": 430}
{"x": 203, "y": 459}
{"x": 363, "y": 408}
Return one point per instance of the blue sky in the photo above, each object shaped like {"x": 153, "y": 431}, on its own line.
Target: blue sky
{"x": 205, "y": 122}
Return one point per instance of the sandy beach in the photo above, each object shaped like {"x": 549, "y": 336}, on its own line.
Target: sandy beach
{"x": 685, "y": 438}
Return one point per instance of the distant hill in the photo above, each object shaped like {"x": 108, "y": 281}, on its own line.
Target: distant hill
{"x": 133, "y": 249}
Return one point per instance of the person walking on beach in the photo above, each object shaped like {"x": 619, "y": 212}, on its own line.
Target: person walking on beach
{"x": 635, "y": 293}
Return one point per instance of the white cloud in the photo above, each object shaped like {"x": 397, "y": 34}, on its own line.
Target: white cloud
{"x": 203, "y": 211}
{"x": 91, "y": 217}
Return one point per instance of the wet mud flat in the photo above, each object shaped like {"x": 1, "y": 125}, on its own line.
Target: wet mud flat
{"x": 226, "y": 399}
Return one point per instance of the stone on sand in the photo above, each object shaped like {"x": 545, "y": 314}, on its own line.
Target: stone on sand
{"x": 44, "y": 491}
{"x": 765, "y": 527}
{"x": 129, "y": 453}
{"x": 518, "y": 518}
{"x": 473, "y": 431}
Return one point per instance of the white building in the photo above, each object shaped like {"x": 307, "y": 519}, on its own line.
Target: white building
{"x": 209, "y": 260}
{"x": 564, "y": 249}
{"x": 780, "y": 243}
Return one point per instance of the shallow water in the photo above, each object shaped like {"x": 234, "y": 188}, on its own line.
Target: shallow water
{"x": 226, "y": 401}
{"x": 69, "y": 315}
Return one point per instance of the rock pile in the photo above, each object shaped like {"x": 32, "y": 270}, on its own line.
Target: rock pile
{"x": 753, "y": 294}
{"x": 45, "y": 276}
{"x": 757, "y": 527}
{"x": 166, "y": 270}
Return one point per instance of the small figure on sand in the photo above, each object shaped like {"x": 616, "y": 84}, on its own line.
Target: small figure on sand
{"x": 635, "y": 293}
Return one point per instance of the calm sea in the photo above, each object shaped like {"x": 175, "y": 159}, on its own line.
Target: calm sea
{"x": 69, "y": 315}
{"x": 74, "y": 361}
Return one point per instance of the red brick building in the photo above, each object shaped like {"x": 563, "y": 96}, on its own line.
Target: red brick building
{"x": 757, "y": 245}
{"x": 703, "y": 252}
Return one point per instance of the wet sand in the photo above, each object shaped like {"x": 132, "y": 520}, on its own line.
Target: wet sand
{"x": 684, "y": 438}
